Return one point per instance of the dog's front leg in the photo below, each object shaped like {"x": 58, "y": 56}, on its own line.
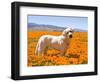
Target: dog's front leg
{"x": 63, "y": 53}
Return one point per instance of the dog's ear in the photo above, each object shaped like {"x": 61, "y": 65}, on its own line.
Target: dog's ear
{"x": 64, "y": 33}
{"x": 72, "y": 29}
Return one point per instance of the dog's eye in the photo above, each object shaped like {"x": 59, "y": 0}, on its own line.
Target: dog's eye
{"x": 71, "y": 31}
{"x": 67, "y": 32}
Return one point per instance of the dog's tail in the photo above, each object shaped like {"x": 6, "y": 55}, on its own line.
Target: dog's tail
{"x": 36, "y": 50}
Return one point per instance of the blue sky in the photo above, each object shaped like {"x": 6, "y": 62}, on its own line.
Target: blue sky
{"x": 62, "y": 21}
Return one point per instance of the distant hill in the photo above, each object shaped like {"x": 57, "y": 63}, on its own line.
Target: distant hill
{"x": 34, "y": 26}
{"x": 44, "y": 27}
{"x": 79, "y": 30}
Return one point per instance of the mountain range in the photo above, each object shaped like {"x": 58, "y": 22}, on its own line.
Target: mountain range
{"x": 44, "y": 27}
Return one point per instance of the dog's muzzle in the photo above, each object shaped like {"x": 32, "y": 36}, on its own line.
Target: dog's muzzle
{"x": 70, "y": 36}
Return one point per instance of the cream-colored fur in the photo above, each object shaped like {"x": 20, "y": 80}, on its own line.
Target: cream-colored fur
{"x": 60, "y": 43}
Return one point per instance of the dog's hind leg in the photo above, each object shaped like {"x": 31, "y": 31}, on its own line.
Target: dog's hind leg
{"x": 36, "y": 50}
{"x": 45, "y": 51}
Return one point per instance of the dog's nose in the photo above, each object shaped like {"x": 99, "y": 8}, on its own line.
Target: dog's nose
{"x": 70, "y": 36}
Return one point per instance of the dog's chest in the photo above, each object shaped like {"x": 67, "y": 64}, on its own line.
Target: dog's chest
{"x": 65, "y": 44}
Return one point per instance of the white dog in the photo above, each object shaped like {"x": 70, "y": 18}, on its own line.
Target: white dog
{"x": 60, "y": 43}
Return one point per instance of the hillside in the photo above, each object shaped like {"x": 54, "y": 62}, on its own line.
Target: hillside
{"x": 44, "y": 27}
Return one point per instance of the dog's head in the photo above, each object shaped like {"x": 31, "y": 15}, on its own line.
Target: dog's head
{"x": 68, "y": 32}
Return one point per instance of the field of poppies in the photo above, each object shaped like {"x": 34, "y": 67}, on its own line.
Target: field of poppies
{"x": 76, "y": 54}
